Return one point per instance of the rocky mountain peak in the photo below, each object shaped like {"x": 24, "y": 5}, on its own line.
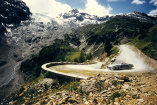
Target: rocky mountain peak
{"x": 142, "y": 17}
{"x": 81, "y": 16}
{"x": 139, "y": 14}
{"x": 75, "y": 10}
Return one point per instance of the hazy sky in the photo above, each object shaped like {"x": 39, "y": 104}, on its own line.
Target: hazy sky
{"x": 94, "y": 7}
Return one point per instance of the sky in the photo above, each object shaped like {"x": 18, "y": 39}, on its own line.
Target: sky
{"x": 93, "y": 7}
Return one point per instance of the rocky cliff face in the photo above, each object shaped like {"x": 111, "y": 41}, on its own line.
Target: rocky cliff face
{"x": 12, "y": 12}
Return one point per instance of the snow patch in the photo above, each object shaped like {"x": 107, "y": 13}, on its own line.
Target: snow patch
{"x": 42, "y": 18}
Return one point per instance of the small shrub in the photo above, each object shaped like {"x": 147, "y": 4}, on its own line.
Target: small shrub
{"x": 46, "y": 86}
{"x": 55, "y": 84}
{"x": 98, "y": 84}
{"x": 122, "y": 94}
{"x": 114, "y": 82}
{"x": 115, "y": 95}
{"x": 74, "y": 85}
{"x": 80, "y": 90}
{"x": 47, "y": 75}
{"x": 150, "y": 73}
{"x": 33, "y": 91}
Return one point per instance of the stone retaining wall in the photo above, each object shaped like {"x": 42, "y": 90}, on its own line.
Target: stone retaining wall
{"x": 60, "y": 74}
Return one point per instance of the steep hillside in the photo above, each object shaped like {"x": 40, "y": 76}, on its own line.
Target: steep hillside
{"x": 12, "y": 12}
{"x": 126, "y": 89}
{"x": 59, "y": 51}
{"x": 118, "y": 30}
{"x": 147, "y": 42}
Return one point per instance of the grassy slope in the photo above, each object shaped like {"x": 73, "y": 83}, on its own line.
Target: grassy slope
{"x": 147, "y": 44}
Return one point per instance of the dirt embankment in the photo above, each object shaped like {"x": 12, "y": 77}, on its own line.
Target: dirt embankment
{"x": 151, "y": 62}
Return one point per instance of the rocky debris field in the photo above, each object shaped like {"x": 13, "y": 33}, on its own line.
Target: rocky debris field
{"x": 106, "y": 89}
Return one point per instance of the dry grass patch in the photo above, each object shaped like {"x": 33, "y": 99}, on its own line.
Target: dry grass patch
{"x": 82, "y": 72}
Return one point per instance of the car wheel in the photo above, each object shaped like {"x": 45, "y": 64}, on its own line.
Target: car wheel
{"x": 130, "y": 67}
{"x": 114, "y": 68}
{"x": 110, "y": 68}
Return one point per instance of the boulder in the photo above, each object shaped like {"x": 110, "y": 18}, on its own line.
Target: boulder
{"x": 126, "y": 87}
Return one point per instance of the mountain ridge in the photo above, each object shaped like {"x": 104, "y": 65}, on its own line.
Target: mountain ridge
{"x": 75, "y": 15}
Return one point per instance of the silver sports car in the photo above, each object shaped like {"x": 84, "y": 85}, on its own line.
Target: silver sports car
{"x": 120, "y": 66}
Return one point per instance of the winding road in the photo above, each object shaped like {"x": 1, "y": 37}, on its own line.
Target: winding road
{"x": 127, "y": 54}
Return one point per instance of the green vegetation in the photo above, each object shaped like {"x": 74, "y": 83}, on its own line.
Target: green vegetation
{"x": 55, "y": 84}
{"x": 59, "y": 51}
{"x": 114, "y": 82}
{"x": 107, "y": 47}
{"x": 118, "y": 30}
{"x": 124, "y": 78}
{"x": 72, "y": 86}
{"x": 72, "y": 56}
{"x": 116, "y": 95}
{"x": 112, "y": 53}
{"x": 115, "y": 29}
{"x": 47, "y": 75}
{"x": 99, "y": 85}
{"x": 147, "y": 42}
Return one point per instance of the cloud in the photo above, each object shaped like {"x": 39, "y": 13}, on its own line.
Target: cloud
{"x": 153, "y": 11}
{"x": 94, "y": 8}
{"x": 138, "y": 2}
{"x": 51, "y": 7}
{"x": 154, "y": 2}
{"x": 113, "y": 0}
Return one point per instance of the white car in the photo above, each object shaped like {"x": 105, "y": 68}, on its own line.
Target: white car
{"x": 120, "y": 66}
